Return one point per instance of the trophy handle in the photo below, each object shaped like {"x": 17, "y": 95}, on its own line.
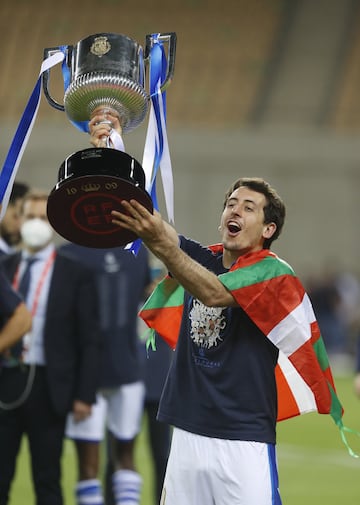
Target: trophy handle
{"x": 46, "y": 79}
{"x": 170, "y": 38}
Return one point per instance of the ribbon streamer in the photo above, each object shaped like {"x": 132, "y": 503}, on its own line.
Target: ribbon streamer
{"x": 80, "y": 125}
{"x": 156, "y": 151}
{"x": 22, "y": 134}
{"x": 115, "y": 141}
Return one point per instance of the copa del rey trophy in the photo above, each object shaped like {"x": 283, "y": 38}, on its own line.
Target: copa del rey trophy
{"x": 104, "y": 70}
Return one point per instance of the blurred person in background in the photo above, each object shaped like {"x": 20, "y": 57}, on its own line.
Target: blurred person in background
{"x": 54, "y": 369}
{"x": 356, "y": 333}
{"x": 159, "y": 434}
{"x": 357, "y": 368}
{"x": 155, "y": 369}
{"x": 122, "y": 281}
{"x": 10, "y": 236}
{"x": 348, "y": 284}
{"x": 326, "y": 300}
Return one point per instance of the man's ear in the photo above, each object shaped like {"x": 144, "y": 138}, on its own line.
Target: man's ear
{"x": 269, "y": 230}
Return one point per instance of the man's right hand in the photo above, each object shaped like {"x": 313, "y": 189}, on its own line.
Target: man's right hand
{"x": 103, "y": 121}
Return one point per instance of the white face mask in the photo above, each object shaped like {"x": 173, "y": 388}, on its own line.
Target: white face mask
{"x": 36, "y": 233}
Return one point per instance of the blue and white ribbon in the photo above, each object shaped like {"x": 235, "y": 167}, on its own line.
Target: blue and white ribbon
{"x": 22, "y": 134}
{"x": 156, "y": 151}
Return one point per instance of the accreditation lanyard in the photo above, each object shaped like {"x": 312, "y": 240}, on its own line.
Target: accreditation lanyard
{"x": 49, "y": 263}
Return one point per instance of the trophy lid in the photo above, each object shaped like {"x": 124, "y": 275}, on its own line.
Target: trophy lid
{"x": 92, "y": 183}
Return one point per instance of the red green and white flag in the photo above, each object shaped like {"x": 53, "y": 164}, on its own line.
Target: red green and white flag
{"x": 267, "y": 289}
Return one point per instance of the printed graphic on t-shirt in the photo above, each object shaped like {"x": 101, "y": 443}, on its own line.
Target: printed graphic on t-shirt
{"x": 206, "y": 324}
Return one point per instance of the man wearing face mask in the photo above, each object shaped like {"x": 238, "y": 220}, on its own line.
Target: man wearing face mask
{"x": 54, "y": 371}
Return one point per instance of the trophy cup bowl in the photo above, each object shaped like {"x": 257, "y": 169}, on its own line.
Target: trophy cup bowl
{"x": 107, "y": 69}
{"x": 104, "y": 70}
{"x": 92, "y": 183}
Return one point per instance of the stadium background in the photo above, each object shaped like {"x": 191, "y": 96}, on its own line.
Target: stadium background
{"x": 262, "y": 88}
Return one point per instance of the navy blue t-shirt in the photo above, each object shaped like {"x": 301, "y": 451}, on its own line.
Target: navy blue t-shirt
{"x": 121, "y": 280}
{"x": 221, "y": 382}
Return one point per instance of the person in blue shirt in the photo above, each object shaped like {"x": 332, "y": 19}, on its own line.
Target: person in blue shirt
{"x": 122, "y": 281}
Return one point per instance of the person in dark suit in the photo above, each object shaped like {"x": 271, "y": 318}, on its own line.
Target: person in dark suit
{"x": 55, "y": 370}
{"x": 122, "y": 281}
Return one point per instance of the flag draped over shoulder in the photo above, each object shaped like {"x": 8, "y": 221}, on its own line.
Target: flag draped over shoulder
{"x": 267, "y": 289}
{"x": 273, "y": 297}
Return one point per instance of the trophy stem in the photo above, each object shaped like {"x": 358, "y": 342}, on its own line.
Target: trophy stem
{"x": 109, "y": 116}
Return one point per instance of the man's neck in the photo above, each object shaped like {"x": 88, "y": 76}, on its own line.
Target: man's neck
{"x": 35, "y": 250}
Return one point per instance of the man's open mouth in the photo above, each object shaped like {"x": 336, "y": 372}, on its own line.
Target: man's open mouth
{"x": 233, "y": 227}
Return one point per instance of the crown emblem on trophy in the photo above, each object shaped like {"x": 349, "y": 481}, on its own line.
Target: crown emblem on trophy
{"x": 100, "y": 46}
{"x": 87, "y": 188}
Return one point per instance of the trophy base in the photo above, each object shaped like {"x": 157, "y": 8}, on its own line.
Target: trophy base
{"x": 80, "y": 210}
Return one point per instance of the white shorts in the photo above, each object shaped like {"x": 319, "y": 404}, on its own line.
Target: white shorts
{"x": 212, "y": 471}
{"x": 120, "y": 408}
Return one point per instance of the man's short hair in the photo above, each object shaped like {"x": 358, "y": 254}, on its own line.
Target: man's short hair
{"x": 19, "y": 190}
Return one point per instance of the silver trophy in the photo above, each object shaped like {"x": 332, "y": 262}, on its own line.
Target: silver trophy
{"x": 108, "y": 69}
{"x": 104, "y": 70}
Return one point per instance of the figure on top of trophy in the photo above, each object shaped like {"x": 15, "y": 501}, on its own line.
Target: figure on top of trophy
{"x": 104, "y": 80}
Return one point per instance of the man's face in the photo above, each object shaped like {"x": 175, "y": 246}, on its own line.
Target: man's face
{"x": 11, "y": 222}
{"x": 36, "y": 231}
{"x": 242, "y": 223}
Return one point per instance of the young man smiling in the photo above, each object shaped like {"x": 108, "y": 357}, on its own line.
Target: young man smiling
{"x": 247, "y": 348}
{"x": 220, "y": 394}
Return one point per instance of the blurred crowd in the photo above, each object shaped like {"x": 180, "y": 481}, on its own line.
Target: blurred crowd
{"x": 72, "y": 361}
{"x": 335, "y": 296}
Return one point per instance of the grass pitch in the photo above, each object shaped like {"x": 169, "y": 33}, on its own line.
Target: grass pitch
{"x": 314, "y": 465}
